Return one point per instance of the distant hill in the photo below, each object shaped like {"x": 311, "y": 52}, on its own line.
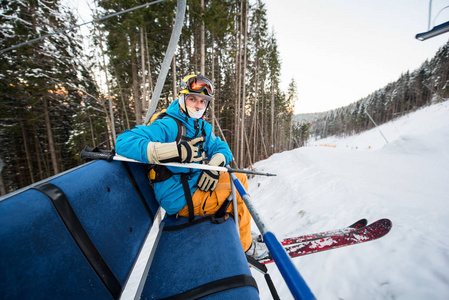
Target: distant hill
{"x": 427, "y": 85}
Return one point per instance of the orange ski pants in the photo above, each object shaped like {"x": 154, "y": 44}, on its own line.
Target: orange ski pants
{"x": 207, "y": 203}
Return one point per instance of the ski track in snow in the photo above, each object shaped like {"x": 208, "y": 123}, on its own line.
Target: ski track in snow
{"x": 322, "y": 188}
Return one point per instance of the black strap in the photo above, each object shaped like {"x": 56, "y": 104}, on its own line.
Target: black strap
{"x": 262, "y": 268}
{"x": 273, "y": 291}
{"x": 186, "y": 225}
{"x": 182, "y": 130}
{"x": 220, "y": 220}
{"x": 188, "y": 195}
{"x": 196, "y": 124}
{"x": 213, "y": 218}
{"x": 79, "y": 234}
{"x": 221, "y": 212}
{"x": 138, "y": 191}
{"x": 216, "y": 287}
{"x": 256, "y": 264}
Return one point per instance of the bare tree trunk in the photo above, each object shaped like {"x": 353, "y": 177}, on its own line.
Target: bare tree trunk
{"x": 263, "y": 141}
{"x": 38, "y": 154}
{"x": 247, "y": 149}
{"x": 27, "y": 151}
{"x": 18, "y": 168}
{"x": 173, "y": 68}
{"x": 256, "y": 113}
{"x": 223, "y": 136}
{"x": 290, "y": 138}
{"x": 2, "y": 183}
{"x": 250, "y": 130}
{"x": 262, "y": 125}
{"x": 111, "y": 110}
{"x": 51, "y": 144}
{"x": 123, "y": 100}
{"x": 108, "y": 120}
{"x": 136, "y": 84}
{"x": 92, "y": 132}
{"x": 2, "y": 186}
{"x": 212, "y": 104}
{"x": 181, "y": 58}
{"x": 150, "y": 80}
{"x": 202, "y": 43}
{"x": 110, "y": 124}
{"x": 142, "y": 59}
{"x": 191, "y": 49}
{"x": 195, "y": 49}
{"x": 242, "y": 126}
{"x": 237, "y": 86}
{"x": 272, "y": 117}
{"x": 254, "y": 126}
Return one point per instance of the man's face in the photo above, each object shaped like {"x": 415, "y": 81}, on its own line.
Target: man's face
{"x": 196, "y": 102}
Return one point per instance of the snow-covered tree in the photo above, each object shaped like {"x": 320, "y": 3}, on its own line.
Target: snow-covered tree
{"x": 40, "y": 84}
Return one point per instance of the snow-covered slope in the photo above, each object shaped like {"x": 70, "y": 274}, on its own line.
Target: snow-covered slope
{"x": 407, "y": 180}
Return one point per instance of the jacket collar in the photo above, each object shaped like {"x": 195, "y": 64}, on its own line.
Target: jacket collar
{"x": 175, "y": 111}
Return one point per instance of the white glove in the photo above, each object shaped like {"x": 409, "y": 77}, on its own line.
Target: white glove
{"x": 185, "y": 151}
{"x": 208, "y": 179}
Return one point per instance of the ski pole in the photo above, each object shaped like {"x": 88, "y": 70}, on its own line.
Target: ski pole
{"x": 298, "y": 287}
{"x": 234, "y": 206}
{"x": 109, "y": 155}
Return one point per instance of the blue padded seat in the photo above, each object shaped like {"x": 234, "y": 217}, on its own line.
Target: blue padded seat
{"x": 43, "y": 257}
{"x": 198, "y": 255}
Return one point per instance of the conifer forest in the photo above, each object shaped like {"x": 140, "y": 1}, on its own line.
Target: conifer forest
{"x": 413, "y": 89}
{"x": 86, "y": 85}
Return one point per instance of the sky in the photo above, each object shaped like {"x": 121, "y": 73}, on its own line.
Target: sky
{"x": 339, "y": 51}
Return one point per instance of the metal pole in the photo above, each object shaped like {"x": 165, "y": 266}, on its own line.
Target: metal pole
{"x": 376, "y": 126}
{"x": 109, "y": 155}
{"x": 172, "y": 45}
{"x": 234, "y": 206}
{"x": 298, "y": 287}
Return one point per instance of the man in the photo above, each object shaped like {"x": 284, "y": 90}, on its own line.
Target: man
{"x": 160, "y": 142}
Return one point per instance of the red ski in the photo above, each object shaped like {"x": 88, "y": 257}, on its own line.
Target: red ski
{"x": 314, "y": 236}
{"x": 367, "y": 233}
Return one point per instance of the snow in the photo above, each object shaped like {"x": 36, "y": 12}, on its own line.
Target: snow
{"x": 321, "y": 188}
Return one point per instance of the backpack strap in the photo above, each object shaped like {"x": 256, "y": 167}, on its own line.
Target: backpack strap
{"x": 161, "y": 173}
{"x": 182, "y": 134}
{"x": 182, "y": 130}
{"x": 158, "y": 173}
{"x": 188, "y": 195}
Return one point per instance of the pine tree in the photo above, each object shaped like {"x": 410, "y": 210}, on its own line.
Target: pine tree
{"x": 274, "y": 68}
{"x": 39, "y": 82}
{"x": 126, "y": 51}
{"x": 258, "y": 49}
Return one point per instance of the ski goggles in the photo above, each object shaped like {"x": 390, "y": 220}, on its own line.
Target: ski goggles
{"x": 199, "y": 84}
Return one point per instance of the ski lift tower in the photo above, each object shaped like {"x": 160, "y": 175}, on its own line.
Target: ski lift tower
{"x": 436, "y": 30}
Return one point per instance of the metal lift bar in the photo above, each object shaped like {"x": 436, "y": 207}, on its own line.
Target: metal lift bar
{"x": 437, "y": 30}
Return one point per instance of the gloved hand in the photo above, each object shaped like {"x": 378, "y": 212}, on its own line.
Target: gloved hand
{"x": 188, "y": 150}
{"x": 185, "y": 151}
{"x": 208, "y": 179}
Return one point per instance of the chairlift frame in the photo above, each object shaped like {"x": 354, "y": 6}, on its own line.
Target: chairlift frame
{"x": 436, "y": 30}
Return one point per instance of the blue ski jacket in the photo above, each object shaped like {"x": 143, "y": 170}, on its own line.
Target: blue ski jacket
{"x": 133, "y": 144}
